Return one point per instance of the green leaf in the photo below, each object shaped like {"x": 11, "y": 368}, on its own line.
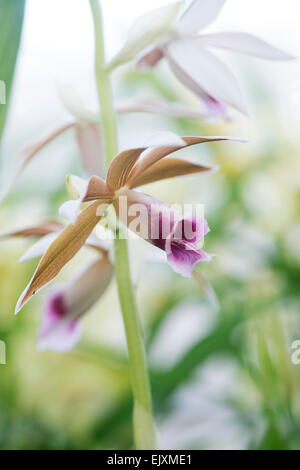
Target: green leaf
{"x": 11, "y": 21}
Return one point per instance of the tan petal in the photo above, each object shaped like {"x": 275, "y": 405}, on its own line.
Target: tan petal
{"x": 89, "y": 141}
{"x": 158, "y": 153}
{"x": 63, "y": 249}
{"x": 168, "y": 168}
{"x": 96, "y": 189}
{"x": 40, "y": 230}
{"x": 121, "y": 166}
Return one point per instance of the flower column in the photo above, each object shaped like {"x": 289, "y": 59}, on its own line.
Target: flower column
{"x": 143, "y": 423}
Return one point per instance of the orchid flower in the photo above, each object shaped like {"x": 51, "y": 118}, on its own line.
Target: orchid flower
{"x": 129, "y": 169}
{"x": 177, "y": 39}
{"x": 60, "y": 329}
{"x": 178, "y": 236}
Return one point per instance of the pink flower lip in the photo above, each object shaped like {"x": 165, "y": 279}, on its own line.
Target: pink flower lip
{"x": 57, "y": 305}
{"x": 168, "y": 230}
{"x": 181, "y": 246}
{"x": 59, "y": 331}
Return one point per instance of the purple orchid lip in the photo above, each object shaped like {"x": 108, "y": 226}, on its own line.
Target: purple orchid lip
{"x": 182, "y": 250}
{"x": 166, "y": 229}
{"x": 60, "y": 331}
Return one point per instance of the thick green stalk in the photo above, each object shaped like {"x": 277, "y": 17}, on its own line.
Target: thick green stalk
{"x": 143, "y": 423}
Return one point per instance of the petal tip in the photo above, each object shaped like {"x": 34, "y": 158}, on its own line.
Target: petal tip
{"x": 20, "y": 304}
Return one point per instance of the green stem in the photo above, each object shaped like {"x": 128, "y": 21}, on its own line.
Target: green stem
{"x": 144, "y": 429}
{"x": 108, "y": 117}
{"x": 143, "y": 422}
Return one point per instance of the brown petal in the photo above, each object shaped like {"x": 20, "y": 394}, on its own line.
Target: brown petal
{"x": 121, "y": 166}
{"x": 168, "y": 168}
{"x": 96, "y": 189}
{"x": 89, "y": 141}
{"x": 63, "y": 249}
{"x": 160, "y": 152}
{"x": 40, "y": 230}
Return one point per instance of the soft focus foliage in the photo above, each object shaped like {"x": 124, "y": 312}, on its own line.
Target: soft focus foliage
{"x": 220, "y": 358}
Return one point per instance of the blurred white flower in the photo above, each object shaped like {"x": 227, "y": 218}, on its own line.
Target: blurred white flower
{"x": 188, "y": 52}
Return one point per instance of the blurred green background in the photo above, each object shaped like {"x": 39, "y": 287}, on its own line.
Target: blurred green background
{"x": 220, "y": 360}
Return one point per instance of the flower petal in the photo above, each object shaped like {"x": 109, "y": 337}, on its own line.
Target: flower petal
{"x": 39, "y": 230}
{"x": 58, "y": 333}
{"x": 88, "y": 286}
{"x": 39, "y": 248}
{"x": 62, "y": 250}
{"x": 150, "y": 59}
{"x": 145, "y": 30}
{"x": 73, "y": 103}
{"x": 95, "y": 189}
{"x": 158, "y": 106}
{"x": 202, "y": 72}
{"x": 200, "y": 14}
{"x": 155, "y": 221}
{"x": 121, "y": 166}
{"x": 146, "y": 216}
{"x": 246, "y": 44}
{"x": 183, "y": 260}
{"x": 69, "y": 210}
{"x": 60, "y": 329}
{"x": 155, "y": 154}
{"x": 191, "y": 228}
{"x": 90, "y": 144}
{"x": 29, "y": 151}
{"x": 168, "y": 168}
{"x": 76, "y": 186}
{"x": 165, "y": 139}
{"x": 214, "y": 109}
{"x": 62, "y": 339}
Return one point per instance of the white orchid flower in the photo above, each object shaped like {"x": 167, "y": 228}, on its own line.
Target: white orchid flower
{"x": 189, "y": 53}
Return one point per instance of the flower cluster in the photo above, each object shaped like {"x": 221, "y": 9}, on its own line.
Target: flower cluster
{"x": 176, "y": 235}
{"x": 172, "y": 33}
